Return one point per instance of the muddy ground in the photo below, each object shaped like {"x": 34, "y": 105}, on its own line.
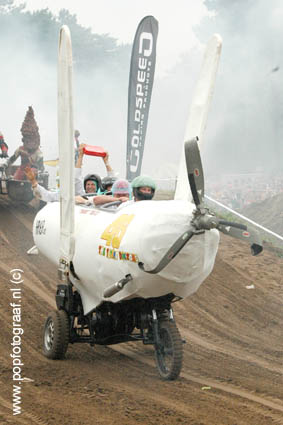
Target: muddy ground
{"x": 232, "y": 372}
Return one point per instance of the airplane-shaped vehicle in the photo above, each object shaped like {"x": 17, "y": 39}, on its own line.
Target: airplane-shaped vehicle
{"x": 121, "y": 268}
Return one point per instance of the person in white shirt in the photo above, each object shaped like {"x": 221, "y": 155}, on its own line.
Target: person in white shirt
{"x": 91, "y": 184}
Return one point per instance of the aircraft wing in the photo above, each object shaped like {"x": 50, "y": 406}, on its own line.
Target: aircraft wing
{"x": 66, "y": 150}
{"x": 199, "y": 109}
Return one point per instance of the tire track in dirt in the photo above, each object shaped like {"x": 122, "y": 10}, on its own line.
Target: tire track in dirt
{"x": 17, "y": 235}
{"x": 31, "y": 281}
{"x": 39, "y": 287}
{"x": 24, "y": 417}
{"x": 207, "y": 382}
{"x": 234, "y": 352}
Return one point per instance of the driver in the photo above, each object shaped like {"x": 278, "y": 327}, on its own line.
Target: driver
{"x": 143, "y": 188}
{"x": 30, "y": 152}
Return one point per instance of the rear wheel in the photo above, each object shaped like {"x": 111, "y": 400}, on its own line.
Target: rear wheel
{"x": 56, "y": 335}
{"x": 169, "y": 353}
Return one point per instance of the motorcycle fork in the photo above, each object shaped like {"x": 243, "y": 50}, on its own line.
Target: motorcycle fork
{"x": 155, "y": 327}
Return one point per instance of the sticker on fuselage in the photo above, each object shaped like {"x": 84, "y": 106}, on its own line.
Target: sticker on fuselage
{"x": 40, "y": 228}
{"x": 113, "y": 235}
{"x": 115, "y": 254}
{"x": 114, "y": 232}
{"x": 89, "y": 212}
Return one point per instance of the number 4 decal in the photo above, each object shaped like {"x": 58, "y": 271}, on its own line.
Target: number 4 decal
{"x": 114, "y": 233}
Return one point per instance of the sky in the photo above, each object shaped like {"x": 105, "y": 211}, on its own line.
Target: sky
{"x": 92, "y": 117}
{"x": 120, "y": 19}
{"x": 245, "y": 120}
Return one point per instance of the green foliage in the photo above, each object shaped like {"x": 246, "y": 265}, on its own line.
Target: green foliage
{"x": 40, "y": 30}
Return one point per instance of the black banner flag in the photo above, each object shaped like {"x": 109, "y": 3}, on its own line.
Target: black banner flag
{"x": 139, "y": 94}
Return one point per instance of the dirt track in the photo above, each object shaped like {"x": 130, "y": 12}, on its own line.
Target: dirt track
{"x": 232, "y": 372}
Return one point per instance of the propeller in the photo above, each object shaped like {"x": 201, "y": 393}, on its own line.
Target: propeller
{"x": 194, "y": 170}
{"x": 203, "y": 219}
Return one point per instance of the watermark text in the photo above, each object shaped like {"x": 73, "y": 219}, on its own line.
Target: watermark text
{"x": 16, "y": 344}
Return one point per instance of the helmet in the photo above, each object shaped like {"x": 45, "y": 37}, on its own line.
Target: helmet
{"x": 143, "y": 181}
{"x": 107, "y": 181}
{"x": 122, "y": 187}
{"x": 95, "y": 178}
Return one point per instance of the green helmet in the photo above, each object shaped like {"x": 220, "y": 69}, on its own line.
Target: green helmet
{"x": 143, "y": 181}
{"x": 139, "y": 183}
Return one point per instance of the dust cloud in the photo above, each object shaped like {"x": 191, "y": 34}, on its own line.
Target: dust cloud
{"x": 245, "y": 123}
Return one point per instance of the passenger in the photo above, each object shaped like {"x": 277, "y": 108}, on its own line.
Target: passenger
{"x": 3, "y": 146}
{"x": 87, "y": 185}
{"x": 92, "y": 183}
{"x": 143, "y": 188}
{"x": 107, "y": 183}
{"x": 30, "y": 152}
{"x": 47, "y": 195}
{"x": 39, "y": 191}
{"x": 121, "y": 191}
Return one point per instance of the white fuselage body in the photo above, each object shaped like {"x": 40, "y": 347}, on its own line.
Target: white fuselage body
{"x": 109, "y": 245}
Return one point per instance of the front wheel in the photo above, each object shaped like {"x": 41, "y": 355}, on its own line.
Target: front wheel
{"x": 169, "y": 351}
{"x": 56, "y": 335}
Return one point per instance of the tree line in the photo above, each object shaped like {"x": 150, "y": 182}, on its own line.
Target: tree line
{"x": 41, "y": 29}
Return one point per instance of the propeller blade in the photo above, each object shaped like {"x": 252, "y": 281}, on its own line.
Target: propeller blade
{"x": 240, "y": 231}
{"x": 194, "y": 170}
{"x": 171, "y": 253}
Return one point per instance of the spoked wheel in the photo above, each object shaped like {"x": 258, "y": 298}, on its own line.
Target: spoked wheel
{"x": 56, "y": 335}
{"x": 169, "y": 354}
